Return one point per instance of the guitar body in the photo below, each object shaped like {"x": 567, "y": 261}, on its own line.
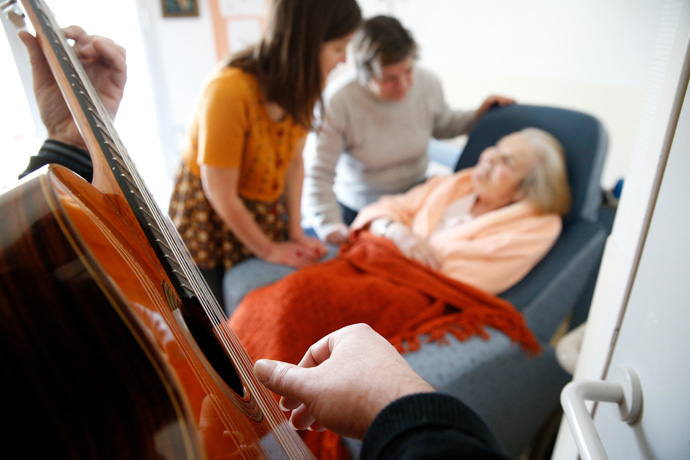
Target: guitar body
{"x": 100, "y": 358}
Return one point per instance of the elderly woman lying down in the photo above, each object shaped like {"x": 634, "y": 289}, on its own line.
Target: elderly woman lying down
{"x": 488, "y": 225}
{"x": 427, "y": 262}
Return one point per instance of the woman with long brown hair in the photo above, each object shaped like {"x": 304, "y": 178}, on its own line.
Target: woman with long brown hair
{"x": 238, "y": 189}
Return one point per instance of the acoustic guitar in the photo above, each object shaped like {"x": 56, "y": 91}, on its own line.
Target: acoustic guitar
{"x": 111, "y": 343}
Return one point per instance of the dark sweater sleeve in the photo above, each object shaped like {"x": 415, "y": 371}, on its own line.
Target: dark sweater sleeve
{"x": 52, "y": 151}
{"x": 429, "y": 426}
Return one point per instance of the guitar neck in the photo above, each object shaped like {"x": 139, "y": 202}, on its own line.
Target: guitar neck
{"x": 114, "y": 171}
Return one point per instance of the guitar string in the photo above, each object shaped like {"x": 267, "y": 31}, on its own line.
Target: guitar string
{"x": 228, "y": 338}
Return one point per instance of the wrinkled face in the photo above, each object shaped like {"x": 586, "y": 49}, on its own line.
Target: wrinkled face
{"x": 502, "y": 168}
{"x": 395, "y": 80}
{"x": 333, "y": 52}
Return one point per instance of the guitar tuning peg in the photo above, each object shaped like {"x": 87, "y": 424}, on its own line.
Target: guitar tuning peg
{"x": 14, "y": 14}
{"x": 17, "y": 19}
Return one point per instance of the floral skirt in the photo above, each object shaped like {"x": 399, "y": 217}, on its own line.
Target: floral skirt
{"x": 209, "y": 240}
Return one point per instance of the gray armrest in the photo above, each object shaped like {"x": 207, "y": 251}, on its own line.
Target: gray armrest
{"x": 512, "y": 392}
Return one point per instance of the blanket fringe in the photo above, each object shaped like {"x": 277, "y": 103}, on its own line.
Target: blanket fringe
{"x": 462, "y": 326}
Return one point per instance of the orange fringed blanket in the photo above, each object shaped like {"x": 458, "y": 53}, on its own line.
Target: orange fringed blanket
{"x": 370, "y": 282}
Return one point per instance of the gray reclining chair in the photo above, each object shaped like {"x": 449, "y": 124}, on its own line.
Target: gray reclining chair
{"x": 517, "y": 395}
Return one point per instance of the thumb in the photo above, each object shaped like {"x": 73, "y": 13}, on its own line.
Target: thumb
{"x": 32, "y": 46}
{"x": 281, "y": 378}
{"x": 39, "y": 64}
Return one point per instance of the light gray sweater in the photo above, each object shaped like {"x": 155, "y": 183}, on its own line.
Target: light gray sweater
{"x": 368, "y": 147}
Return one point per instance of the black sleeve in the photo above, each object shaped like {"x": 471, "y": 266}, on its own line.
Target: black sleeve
{"x": 52, "y": 151}
{"x": 429, "y": 426}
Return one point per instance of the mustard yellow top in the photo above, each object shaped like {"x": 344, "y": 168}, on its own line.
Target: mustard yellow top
{"x": 232, "y": 129}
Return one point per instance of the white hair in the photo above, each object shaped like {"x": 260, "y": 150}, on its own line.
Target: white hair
{"x": 546, "y": 186}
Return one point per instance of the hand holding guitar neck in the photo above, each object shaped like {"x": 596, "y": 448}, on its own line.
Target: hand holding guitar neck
{"x": 104, "y": 62}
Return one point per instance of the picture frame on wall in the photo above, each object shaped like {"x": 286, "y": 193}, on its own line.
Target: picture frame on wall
{"x": 180, "y": 8}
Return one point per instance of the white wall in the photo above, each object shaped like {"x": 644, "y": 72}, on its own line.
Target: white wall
{"x": 180, "y": 53}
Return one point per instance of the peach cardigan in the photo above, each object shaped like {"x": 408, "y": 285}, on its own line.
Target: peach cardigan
{"x": 492, "y": 251}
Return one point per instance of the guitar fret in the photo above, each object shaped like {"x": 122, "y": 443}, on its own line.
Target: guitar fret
{"x": 149, "y": 219}
{"x": 160, "y": 239}
{"x": 176, "y": 267}
{"x": 183, "y": 282}
{"x": 134, "y": 189}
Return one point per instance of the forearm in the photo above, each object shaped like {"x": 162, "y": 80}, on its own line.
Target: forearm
{"x": 293, "y": 196}
{"x": 453, "y": 123}
{"x": 321, "y": 205}
{"x": 242, "y": 224}
{"x": 321, "y": 158}
{"x": 393, "y": 208}
{"x": 400, "y": 208}
{"x": 220, "y": 186}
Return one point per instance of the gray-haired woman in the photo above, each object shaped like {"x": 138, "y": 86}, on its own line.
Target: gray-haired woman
{"x": 374, "y": 136}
